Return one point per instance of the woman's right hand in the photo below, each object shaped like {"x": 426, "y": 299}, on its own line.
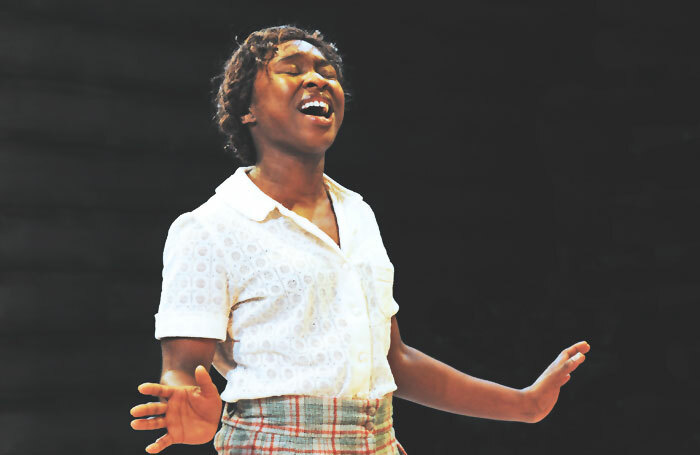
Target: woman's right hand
{"x": 190, "y": 415}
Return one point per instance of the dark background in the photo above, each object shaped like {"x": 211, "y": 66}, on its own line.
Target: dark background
{"x": 533, "y": 170}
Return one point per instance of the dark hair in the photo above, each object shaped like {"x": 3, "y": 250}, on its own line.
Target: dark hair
{"x": 236, "y": 89}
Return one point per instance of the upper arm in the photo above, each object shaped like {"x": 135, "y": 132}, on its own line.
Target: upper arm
{"x": 194, "y": 300}
{"x": 397, "y": 349}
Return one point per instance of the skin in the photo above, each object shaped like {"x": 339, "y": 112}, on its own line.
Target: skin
{"x": 291, "y": 156}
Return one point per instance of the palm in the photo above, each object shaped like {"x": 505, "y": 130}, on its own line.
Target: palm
{"x": 190, "y": 415}
{"x": 544, "y": 392}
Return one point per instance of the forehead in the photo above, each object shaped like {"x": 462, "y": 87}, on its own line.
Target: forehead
{"x": 300, "y": 47}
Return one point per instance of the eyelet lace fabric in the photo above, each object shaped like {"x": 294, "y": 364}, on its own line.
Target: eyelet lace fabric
{"x": 294, "y": 313}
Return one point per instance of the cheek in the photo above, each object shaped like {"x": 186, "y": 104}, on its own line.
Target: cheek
{"x": 281, "y": 90}
{"x": 272, "y": 95}
{"x": 340, "y": 106}
{"x": 342, "y": 100}
{"x": 284, "y": 87}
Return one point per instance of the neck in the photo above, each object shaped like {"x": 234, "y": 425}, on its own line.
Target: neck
{"x": 291, "y": 180}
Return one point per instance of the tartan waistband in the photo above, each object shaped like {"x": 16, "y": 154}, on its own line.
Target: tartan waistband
{"x": 302, "y": 415}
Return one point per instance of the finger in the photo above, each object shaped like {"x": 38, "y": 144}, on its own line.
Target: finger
{"x": 157, "y": 390}
{"x": 204, "y": 381}
{"x": 151, "y": 423}
{"x": 565, "y": 380}
{"x": 148, "y": 409}
{"x": 582, "y": 347}
{"x": 573, "y": 363}
{"x": 160, "y": 444}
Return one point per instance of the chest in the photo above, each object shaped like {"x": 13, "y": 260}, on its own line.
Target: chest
{"x": 288, "y": 281}
{"x": 323, "y": 217}
{"x": 291, "y": 256}
{"x": 327, "y": 222}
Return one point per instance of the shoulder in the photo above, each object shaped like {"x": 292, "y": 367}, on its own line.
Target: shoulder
{"x": 195, "y": 228}
{"x": 359, "y": 212}
{"x": 210, "y": 216}
{"x": 364, "y": 216}
{"x": 352, "y": 201}
{"x": 189, "y": 222}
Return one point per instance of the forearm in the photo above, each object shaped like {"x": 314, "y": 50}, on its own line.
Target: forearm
{"x": 181, "y": 357}
{"x": 176, "y": 377}
{"x": 427, "y": 381}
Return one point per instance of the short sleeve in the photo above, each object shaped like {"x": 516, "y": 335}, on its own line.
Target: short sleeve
{"x": 194, "y": 298}
{"x": 382, "y": 268}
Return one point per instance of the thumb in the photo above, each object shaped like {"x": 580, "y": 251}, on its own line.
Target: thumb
{"x": 204, "y": 381}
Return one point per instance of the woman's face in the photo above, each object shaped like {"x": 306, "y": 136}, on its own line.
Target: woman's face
{"x": 297, "y": 101}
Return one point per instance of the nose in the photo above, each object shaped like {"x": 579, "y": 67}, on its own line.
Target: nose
{"x": 313, "y": 79}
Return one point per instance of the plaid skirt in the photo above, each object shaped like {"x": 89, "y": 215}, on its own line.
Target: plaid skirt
{"x": 299, "y": 424}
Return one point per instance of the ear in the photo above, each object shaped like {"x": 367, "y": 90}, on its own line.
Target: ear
{"x": 248, "y": 118}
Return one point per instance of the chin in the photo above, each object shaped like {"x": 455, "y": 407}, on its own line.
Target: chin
{"x": 318, "y": 145}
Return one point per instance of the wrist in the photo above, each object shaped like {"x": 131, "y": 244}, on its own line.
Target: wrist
{"x": 177, "y": 378}
{"x": 529, "y": 412}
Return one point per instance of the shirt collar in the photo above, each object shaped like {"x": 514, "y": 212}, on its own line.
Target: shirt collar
{"x": 241, "y": 193}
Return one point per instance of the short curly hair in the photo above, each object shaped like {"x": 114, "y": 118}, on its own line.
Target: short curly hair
{"x": 236, "y": 89}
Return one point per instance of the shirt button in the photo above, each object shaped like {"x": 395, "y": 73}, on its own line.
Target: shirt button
{"x": 372, "y": 410}
{"x": 369, "y": 426}
{"x": 362, "y": 357}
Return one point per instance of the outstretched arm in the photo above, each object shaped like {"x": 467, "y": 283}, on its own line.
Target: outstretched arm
{"x": 429, "y": 382}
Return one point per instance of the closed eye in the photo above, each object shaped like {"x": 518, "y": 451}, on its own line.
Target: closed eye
{"x": 290, "y": 69}
{"x": 327, "y": 71}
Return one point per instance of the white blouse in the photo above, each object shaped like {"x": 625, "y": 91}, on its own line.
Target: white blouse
{"x": 295, "y": 314}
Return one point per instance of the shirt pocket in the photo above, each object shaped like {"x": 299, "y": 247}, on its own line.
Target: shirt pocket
{"x": 383, "y": 282}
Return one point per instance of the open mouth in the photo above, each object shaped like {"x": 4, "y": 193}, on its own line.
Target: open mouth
{"x": 317, "y": 109}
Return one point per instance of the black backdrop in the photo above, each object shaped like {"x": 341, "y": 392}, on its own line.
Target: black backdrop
{"x": 532, "y": 168}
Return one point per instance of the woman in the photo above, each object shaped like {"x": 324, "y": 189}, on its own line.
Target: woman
{"x": 281, "y": 281}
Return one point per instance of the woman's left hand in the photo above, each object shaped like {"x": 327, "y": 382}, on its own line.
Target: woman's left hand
{"x": 542, "y": 395}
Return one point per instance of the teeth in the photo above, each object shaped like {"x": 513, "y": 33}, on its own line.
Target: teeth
{"x": 321, "y": 104}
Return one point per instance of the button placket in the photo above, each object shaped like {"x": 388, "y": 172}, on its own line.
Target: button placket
{"x": 371, "y": 412}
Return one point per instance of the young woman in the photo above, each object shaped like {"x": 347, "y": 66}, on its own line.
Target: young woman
{"x": 281, "y": 281}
